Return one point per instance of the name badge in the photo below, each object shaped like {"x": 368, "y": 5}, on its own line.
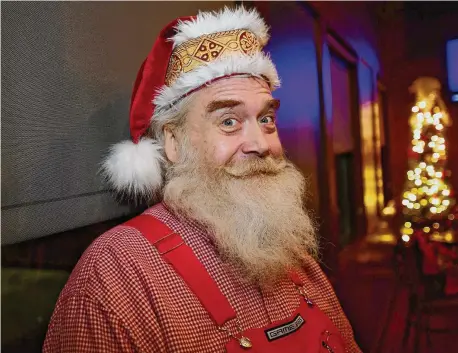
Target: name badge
{"x": 285, "y": 329}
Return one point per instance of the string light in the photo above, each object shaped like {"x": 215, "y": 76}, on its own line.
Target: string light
{"x": 427, "y": 196}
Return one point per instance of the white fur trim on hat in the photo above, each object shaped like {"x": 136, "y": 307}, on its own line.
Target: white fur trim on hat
{"x": 256, "y": 65}
{"x": 134, "y": 170}
{"x": 219, "y": 21}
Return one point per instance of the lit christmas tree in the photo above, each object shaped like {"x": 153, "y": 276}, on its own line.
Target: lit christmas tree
{"x": 428, "y": 200}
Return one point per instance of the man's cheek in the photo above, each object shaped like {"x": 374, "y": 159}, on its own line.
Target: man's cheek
{"x": 219, "y": 154}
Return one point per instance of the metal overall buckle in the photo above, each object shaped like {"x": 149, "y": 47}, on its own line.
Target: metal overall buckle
{"x": 302, "y": 292}
{"x": 244, "y": 342}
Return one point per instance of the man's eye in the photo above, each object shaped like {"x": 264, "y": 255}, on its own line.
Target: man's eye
{"x": 266, "y": 120}
{"x": 229, "y": 122}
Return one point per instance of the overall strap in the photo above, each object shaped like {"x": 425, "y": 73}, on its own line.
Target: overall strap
{"x": 174, "y": 251}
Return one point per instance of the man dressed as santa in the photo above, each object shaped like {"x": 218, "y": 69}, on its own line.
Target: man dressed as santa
{"x": 225, "y": 261}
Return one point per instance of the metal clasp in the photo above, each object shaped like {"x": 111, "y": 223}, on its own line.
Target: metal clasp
{"x": 302, "y": 292}
{"x": 325, "y": 344}
{"x": 164, "y": 237}
{"x": 244, "y": 342}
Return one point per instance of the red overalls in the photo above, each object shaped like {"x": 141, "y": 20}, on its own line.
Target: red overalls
{"x": 308, "y": 329}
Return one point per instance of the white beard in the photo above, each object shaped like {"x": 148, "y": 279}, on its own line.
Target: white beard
{"x": 252, "y": 209}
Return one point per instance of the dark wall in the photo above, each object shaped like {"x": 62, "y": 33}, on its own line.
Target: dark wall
{"x": 67, "y": 75}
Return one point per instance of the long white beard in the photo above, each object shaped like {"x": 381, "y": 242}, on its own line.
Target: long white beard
{"x": 253, "y": 209}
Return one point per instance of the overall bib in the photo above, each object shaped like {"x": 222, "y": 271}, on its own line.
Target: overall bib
{"x": 308, "y": 329}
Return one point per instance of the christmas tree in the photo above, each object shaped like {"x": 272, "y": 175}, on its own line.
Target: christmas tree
{"x": 428, "y": 199}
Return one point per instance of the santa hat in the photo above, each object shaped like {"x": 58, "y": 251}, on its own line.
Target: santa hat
{"x": 189, "y": 53}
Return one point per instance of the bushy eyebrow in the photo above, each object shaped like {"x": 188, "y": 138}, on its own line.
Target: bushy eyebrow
{"x": 272, "y": 104}
{"x": 222, "y": 104}
{"x": 231, "y": 103}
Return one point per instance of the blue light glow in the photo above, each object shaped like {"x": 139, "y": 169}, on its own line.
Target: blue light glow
{"x": 452, "y": 65}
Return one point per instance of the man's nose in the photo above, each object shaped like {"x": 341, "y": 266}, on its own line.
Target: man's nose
{"x": 256, "y": 142}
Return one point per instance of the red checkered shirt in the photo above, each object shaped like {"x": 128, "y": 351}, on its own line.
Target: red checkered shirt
{"x": 123, "y": 297}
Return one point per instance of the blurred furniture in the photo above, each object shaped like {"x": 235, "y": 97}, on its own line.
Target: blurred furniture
{"x": 427, "y": 289}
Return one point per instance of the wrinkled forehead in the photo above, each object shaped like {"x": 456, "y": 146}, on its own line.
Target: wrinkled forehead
{"x": 251, "y": 91}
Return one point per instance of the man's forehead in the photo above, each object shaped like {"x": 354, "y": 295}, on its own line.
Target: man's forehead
{"x": 235, "y": 88}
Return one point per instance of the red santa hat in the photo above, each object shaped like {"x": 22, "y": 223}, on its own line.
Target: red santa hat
{"x": 189, "y": 53}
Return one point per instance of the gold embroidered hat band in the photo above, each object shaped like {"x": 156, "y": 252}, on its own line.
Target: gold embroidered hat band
{"x": 207, "y": 48}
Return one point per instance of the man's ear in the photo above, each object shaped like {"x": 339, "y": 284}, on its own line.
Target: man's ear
{"x": 170, "y": 145}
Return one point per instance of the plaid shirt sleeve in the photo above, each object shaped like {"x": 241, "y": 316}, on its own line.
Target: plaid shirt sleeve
{"x": 81, "y": 324}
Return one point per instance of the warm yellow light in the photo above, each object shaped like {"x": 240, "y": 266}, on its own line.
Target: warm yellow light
{"x": 423, "y": 202}
{"x": 446, "y": 192}
{"x": 436, "y": 155}
{"x": 416, "y": 206}
{"x": 389, "y": 210}
{"x": 438, "y": 174}
{"x": 418, "y": 182}
{"x": 436, "y": 225}
{"x": 441, "y": 147}
{"x": 410, "y": 205}
{"x": 433, "y": 209}
{"x": 448, "y": 236}
{"x": 417, "y": 170}
{"x": 434, "y": 138}
{"x": 407, "y": 231}
{"x": 408, "y": 224}
{"x": 431, "y": 144}
{"x": 405, "y": 238}
{"x": 446, "y": 202}
{"x": 422, "y": 165}
{"x": 412, "y": 197}
{"x": 405, "y": 202}
{"x": 426, "y": 229}
{"x": 415, "y": 109}
{"x": 422, "y": 104}
{"x": 439, "y": 126}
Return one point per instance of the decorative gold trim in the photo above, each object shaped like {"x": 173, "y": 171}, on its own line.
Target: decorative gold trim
{"x": 207, "y": 48}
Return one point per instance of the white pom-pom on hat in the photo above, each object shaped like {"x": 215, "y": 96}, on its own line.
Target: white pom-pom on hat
{"x": 134, "y": 169}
